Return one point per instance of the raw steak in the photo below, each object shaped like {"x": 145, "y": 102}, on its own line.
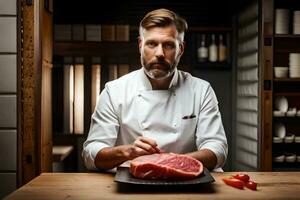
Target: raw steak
{"x": 165, "y": 166}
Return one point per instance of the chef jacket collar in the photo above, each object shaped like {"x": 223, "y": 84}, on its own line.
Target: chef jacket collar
{"x": 144, "y": 83}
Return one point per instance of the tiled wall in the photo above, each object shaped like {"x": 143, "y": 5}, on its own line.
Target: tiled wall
{"x": 8, "y": 96}
{"x": 247, "y": 91}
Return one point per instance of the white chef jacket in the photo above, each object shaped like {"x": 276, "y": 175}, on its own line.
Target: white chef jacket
{"x": 128, "y": 108}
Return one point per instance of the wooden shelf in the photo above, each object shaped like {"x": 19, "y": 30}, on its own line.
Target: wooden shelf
{"x": 286, "y": 79}
{"x": 279, "y": 169}
{"x": 115, "y": 49}
{"x": 290, "y": 50}
{"x": 287, "y": 36}
{"x": 286, "y": 118}
{"x": 287, "y": 94}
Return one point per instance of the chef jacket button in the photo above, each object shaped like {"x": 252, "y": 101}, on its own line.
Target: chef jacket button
{"x": 175, "y": 125}
{"x": 139, "y": 95}
{"x": 174, "y": 94}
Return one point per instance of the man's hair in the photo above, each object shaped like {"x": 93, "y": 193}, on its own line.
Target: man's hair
{"x": 162, "y": 18}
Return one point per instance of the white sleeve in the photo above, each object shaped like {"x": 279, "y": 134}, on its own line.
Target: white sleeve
{"x": 210, "y": 133}
{"x": 103, "y": 130}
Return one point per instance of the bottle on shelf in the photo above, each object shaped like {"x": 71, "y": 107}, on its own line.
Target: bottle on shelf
{"x": 222, "y": 50}
{"x": 202, "y": 50}
{"x": 213, "y": 50}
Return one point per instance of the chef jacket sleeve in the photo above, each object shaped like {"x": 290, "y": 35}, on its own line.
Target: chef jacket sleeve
{"x": 103, "y": 130}
{"x": 210, "y": 133}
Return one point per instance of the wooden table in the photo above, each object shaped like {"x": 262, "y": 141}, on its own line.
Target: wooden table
{"x": 271, "y": 185}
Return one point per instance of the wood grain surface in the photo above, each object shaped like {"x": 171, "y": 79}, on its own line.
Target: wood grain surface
{"x": 271, "y": 185}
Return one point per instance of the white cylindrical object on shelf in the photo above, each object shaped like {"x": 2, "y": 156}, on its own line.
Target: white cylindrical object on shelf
{"x": 282, "y": 21}
{"x": 294, "y": 59}
{"x": 296, "y": 19}
{"x": 294, "y": 72}
{"x": 294, "y": 65}
{"x": 296, "y": 22}
{"x": 281, "y": 72}
{"x": 296, "y": 28}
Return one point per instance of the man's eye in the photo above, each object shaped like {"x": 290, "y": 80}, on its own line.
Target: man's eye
{"x": 169, "y": 46}
{"x": 151, "y": 44}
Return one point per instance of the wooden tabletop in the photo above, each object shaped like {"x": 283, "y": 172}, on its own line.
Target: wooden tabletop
{"x": 271, "y": 185}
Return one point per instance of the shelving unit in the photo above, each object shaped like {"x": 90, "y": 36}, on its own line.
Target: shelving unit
{"x": 196, "y": 33}
{"x": 283, "y": 45}
{"x": 128, "y": 51}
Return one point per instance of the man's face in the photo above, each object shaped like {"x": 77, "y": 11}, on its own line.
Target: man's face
{"x": 160, "y": 51}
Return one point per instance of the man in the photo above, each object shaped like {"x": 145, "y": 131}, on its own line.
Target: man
{"x": 156, "y": 108}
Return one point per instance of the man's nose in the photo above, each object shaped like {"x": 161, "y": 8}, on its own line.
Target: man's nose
{"x": 159, "y": 51}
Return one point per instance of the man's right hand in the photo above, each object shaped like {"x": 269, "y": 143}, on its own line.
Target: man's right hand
{"x": 143, "y": 146}
{"x": 111, "y": 157}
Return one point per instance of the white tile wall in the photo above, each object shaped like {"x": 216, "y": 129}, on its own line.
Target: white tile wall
{"x": 248, "y": 90}
{"x": 8, "y": 149}
{"x": 250, "y": 145}
{"x": 8, "y": 73}
{"x": 251, "y": 131}
{"x": 8, "y": 33}
{"x": 249, "y": 45}
{"x": 248, "y": 117}
{"x": 250, "y": 60}
{"x": 7, "y": 184}
{"x": 249, "y": 74}
{"x": 248, "y": 103}
{"x": 8, "y": 103}
{"x": 8, "y": 7}
{"x": 250, "y": 29}
{"x": 8, "y": 111}
{"x": 246, "y": 143}
{"x": 247, "y": 158}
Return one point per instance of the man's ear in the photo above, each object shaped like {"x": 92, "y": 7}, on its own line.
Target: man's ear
{"x": 181, "y": 47}
{"x": 140, "y": 41}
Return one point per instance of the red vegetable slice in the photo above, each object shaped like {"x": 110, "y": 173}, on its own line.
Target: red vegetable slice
{"x": 251, "y": 185}
{"x": 234, "y": 182}
{"x": 243, "y": 177}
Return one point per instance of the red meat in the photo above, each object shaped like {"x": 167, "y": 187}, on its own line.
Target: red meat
{"x": 165, "y": 166}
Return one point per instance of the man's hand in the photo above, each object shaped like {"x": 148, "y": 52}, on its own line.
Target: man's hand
{"x": 143, "y": 146}
{"x": 111, "y": 157}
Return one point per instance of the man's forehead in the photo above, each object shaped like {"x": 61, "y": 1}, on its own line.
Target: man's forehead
{"x": 161, "y": 33}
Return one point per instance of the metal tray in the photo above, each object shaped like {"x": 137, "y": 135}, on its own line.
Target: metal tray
{"x": 123, "y": 176}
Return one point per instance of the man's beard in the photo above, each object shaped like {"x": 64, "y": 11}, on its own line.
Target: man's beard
{"x": 162, "y": 71}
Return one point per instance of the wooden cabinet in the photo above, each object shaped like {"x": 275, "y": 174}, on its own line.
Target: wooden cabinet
{"x": 286, "y": 97}
{"x": 280, "y": 93}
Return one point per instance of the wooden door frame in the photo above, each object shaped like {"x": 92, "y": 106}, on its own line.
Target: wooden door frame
{"x": 266, "y": 77}
{"x": 29, "y": 105}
